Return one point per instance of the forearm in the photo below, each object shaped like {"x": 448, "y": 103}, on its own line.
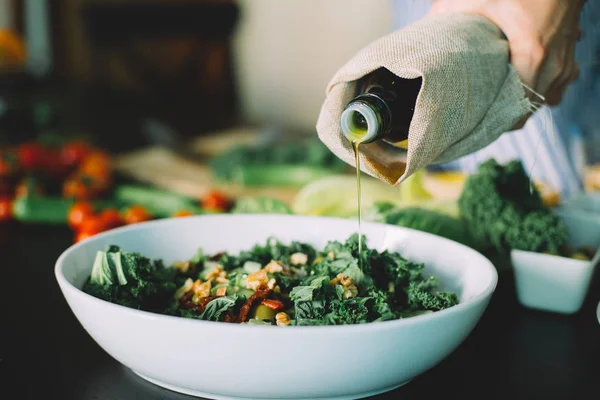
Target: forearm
{"x": 541, "y": 35}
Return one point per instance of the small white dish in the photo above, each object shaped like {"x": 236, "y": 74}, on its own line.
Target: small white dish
{"x": 553, "y": 283}
{"x": 587, "y": 202}
{"x": 220, "y": 360}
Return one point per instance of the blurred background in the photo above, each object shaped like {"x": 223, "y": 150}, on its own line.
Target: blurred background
{"x": 152, "y": 108}
{"x": 196, "y": 65}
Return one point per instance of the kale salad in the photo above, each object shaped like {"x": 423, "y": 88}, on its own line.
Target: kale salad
{"x": 273, "y": 284}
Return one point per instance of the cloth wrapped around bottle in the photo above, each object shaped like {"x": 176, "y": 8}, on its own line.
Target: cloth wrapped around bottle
{"x": 469, "y": 96}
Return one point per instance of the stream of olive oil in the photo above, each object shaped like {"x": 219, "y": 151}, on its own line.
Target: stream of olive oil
{"x": 355, "y": 144}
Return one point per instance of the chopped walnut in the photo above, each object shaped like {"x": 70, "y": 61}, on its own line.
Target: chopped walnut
{"x": 282, "y": 319}
{"x": 182, "y": 266}
{"x": 273, "y": 267}
{"x": 222, "y": 291}
{"x": 350, "y": 289}
{"x": 257, "y": 279}
{"x": 272, "y": 284}
{"x": 216, "y": 273}
{"x": 298, "y": 259}
{"x": 202, "y": 289}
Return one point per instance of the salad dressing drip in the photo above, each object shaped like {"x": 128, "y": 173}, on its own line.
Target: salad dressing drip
{"x": 382, "y": 110}
{"x": 355, "y": 144}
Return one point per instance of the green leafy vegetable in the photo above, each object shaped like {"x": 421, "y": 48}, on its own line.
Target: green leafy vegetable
{"x": 101, "y": 272}
{"x": 260, "y": 205}
{"x": 311, "y": 287}
{"x": 293, "y": 163}
{"x": 218, "y": 306}
{"x": 500, "y": 206}
{"x": 305, "y": 293}
{"x": 424, "y": 220}
{"x": 131, "y": 280}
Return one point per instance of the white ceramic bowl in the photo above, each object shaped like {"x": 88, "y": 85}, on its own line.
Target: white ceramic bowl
{"x": 553, "y": 283}
{"x": 219, "y": 360}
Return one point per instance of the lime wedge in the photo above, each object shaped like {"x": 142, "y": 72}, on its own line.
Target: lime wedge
{"x": 337, "y": 196}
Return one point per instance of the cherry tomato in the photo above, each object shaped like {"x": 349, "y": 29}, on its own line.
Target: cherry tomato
{"x": 76, "y": 187}
{"x": 52, "y": 165}
{"x": 96, "y": 164}
{"x": 94, "y": 224}
{"x": 6, "y": 213}
{"x": 78, "y": 213}
{"x": 31, "y": 156}
{"x": 82, "y": 235}
{"x": 8, "y": 163}
{"x": 111, "y": 218}
{"x": 84, "y": 187}
{"x": 136, "y": 214}
{"x": 216, "y": 201}
{"x": 275, "y": 305}
{"x": 73, "y": 153}
{"x": 183, "y": 213}
{"x": 28, "y": 186}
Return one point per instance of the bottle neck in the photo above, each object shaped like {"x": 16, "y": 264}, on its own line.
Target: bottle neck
{"x": 366, "y": 119}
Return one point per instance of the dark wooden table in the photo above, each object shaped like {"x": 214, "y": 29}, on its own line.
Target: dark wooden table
{"x": 513, "y": 353}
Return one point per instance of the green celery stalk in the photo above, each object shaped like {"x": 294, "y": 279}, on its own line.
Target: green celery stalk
{"x": 50, "y": 210}
{"x": 159, "y": 203}
{"x": 277, "y": 175}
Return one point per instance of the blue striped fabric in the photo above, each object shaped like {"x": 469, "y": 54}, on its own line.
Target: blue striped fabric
{"x": 547, "y": 142}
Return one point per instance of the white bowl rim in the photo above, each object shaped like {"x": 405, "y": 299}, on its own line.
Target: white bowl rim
{"x": 318, "y": 329}
{"x": 575, "y": 262}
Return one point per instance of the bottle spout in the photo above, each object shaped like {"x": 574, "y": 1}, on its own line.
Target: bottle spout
{"x": 360, "y": 122}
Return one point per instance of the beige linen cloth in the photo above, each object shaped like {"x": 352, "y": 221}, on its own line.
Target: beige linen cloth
{"x": 470, "y": 94}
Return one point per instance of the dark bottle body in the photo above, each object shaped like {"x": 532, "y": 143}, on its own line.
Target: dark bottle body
{"x": 392, "y": 101}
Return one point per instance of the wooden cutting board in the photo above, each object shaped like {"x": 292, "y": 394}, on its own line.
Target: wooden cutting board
{"x": 163, "y": 168}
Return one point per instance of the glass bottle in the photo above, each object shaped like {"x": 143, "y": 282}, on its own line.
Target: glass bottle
{"x": 382, "y": 110}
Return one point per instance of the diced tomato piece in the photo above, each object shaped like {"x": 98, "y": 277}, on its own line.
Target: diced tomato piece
{"x": 275, "y": 305}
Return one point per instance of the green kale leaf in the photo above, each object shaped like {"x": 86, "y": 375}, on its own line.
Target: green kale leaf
{"x": 217, "y": 307}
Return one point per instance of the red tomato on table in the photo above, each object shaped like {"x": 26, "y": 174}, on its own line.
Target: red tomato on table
{"x": 216, "y": 201}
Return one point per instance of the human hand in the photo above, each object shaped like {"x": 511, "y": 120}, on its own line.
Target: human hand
{"x": 541, "y": 34}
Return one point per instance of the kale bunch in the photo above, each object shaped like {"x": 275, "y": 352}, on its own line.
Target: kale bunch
{"x": 539, "y": 231}
{"x": 500, "y": 206}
